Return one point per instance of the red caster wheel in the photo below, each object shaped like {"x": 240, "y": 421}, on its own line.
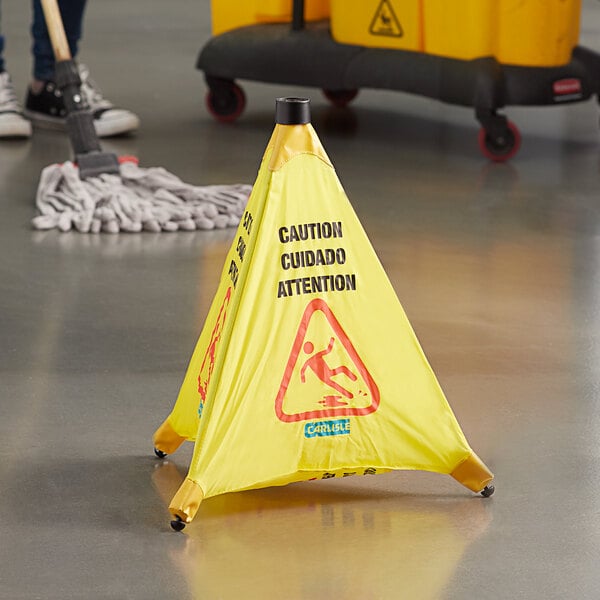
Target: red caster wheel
{"x": 226, "y": 101}
{"x": 340, "y": 98}
{"x": 501, "y": 147}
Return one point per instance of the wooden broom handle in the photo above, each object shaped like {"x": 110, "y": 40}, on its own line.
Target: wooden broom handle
{"x": 56, "y": 30}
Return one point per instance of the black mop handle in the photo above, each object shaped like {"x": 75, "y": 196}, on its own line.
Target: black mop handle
{"x": 80, "y": 120}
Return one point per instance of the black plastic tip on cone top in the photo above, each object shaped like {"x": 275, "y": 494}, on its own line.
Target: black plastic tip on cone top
{"x": 292, "y": 111}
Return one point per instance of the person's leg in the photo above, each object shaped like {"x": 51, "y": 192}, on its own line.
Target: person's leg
{"x": 1, "y": 53}
{"x": 43, "y": 57}
{"x": 44, "y": 104}
{"x": 12, "y": 123}
{"x": 1, "y": 43}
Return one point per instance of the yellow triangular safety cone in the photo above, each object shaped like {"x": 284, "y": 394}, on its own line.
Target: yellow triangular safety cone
{"x": 307, "y": 366}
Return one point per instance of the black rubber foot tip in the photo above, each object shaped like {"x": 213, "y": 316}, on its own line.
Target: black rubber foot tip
{"x": 159, "y": 453}
{"x": 178, "y": 524}
{"x": 487, "y": 491}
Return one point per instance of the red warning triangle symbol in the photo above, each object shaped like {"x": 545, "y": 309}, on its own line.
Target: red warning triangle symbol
{"x": 209, "y": 359}
{"x": 324, "y": 376}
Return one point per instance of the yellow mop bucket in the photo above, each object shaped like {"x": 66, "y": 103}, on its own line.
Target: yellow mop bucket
{"x": 537, "y": 33}
{"x": 534, "y": 33}
{"x": 462, "y": 29}
{"x": 232, "y": 14}
{"x": 393, "y": 24}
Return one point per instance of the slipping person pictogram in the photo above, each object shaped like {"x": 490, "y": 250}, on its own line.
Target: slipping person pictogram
{"x": 325, "y": 373}
{"x": 324, "y": 368}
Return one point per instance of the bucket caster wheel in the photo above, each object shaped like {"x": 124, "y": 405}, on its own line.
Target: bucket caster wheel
{"x": 500, "y": 143}
{"x": 159, "y": 453}
{"x": 487, "y": 491}
{"x": 178, "y": 524}
{"x": 340, "y": 98}
{"x": 225, "y": 100}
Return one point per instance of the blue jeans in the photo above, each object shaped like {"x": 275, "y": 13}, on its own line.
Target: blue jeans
{"x": 43, "y": 57}
{"x": 1, "y": 44}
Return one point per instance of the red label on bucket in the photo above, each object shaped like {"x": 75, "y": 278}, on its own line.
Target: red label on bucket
{"x": 563, "y": 87}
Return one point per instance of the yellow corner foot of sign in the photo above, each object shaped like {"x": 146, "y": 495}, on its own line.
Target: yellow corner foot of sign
{"x": 473, "y": 474}
{"x": 185, "y": 504}
{"x": 166, "y": 440}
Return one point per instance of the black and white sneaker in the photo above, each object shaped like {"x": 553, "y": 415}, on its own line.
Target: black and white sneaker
{"x": 12, "y": 122}
{"x": 47, "y": 108}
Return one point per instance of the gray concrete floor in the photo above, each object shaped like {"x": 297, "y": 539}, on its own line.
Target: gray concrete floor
{"x": 498, "y": 269}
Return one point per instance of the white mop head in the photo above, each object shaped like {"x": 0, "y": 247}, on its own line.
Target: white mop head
{"x": 150, "y": 199}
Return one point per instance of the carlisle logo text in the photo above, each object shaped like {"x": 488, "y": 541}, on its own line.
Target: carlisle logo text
{"x": 327, "y": 428}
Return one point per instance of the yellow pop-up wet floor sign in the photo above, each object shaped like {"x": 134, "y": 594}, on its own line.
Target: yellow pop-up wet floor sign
{"x": 307, "y": 367}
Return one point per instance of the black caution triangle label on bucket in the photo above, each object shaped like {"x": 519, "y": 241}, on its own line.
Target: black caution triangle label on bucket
{"x": 385, "y": 21}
